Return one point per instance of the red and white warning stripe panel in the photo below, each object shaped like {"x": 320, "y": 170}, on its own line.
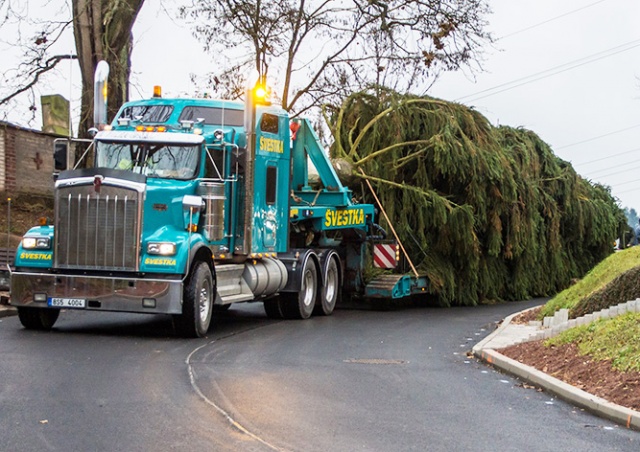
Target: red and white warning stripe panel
{"x": 384, "y": 255}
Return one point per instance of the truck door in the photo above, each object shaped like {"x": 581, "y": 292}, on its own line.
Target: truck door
{"x": 271, "y": 189}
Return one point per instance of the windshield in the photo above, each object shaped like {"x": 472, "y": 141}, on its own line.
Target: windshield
{"x": 167, "y": 161}
{"x": 147, "y": 113}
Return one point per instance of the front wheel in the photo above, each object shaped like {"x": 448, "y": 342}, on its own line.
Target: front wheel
{"x": 197, "y": 303}
{"x": 300, "y": 305}
{"x": 38, "y": 318}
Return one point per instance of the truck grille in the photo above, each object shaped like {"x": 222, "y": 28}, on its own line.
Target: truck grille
{"x": 99, "y": 231}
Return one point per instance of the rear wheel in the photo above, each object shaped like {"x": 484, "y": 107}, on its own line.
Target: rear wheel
{"x": 300, "y": 305}
{"x": 38, "y": 318}
{"x": 329, "y": 293}
{"x": 197, "y": 303}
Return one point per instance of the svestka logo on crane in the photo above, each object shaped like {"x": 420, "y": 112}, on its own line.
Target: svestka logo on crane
{"x": 347, "y": 217}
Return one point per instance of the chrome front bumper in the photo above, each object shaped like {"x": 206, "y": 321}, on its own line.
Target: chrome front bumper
{"x": 100, "y": 293}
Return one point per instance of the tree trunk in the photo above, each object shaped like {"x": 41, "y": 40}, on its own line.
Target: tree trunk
{"x": 102, "y": 30}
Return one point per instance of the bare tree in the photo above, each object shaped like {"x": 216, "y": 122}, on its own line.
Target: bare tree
{"x": 37, "y": 40}
{"x": 102, "y": 31}
{"x": 323, "y": 48}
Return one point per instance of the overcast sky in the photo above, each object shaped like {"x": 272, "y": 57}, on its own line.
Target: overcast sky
{"x": 568, "y": 70}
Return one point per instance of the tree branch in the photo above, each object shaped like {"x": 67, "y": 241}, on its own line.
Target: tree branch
{"x": 50, "y": 64}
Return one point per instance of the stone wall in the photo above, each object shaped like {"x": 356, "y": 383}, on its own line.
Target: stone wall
{"x": 26, "y": 161}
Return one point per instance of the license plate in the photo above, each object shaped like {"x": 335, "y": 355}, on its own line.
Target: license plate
{"x": 77, "y": 303}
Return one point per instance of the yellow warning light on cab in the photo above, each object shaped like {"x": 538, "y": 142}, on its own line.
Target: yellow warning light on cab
{"x": 157, "y": 91}
{"x": 261, "y": 93}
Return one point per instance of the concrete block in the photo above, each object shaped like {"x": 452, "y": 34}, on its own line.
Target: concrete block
{"x": 572, "y": 323}
{"x": 546, "y": 323}
{"x": 563, "y": 315}
{"x": 623, "y": 308}
{"x": 597, "y": 315}
{"x": 613, "y": 311}
{"x": 537, "y": 323}
{"x": 588, "y": 318}
{"x": 581, "y": 321}
{"x": 605, "y": 314}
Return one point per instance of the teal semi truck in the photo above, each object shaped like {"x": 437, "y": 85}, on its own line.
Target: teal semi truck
{"x": 192, "y": 205}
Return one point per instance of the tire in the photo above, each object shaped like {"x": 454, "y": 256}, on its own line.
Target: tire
{"x": 329, "y": 292}
{"x": 300, "y": 305}
{"x": 197, "y": 303}
{"x": 41, "y": 319}
{"x": 272, "y": 308}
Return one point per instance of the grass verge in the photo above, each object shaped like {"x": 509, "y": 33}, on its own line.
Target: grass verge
{"x": 617, "y": 340}
{"x": 596, "y": 280}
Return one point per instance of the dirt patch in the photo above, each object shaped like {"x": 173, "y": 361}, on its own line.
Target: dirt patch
{"x": 595, "y": 377}
{"x": 525, "y": 317}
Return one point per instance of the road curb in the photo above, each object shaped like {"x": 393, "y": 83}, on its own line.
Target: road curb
{"x": 596, "y": 405}
{"x": 6, "y": 311}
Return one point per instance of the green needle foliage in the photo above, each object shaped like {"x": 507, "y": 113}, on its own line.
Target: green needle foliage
{"x": 486, "y": 213}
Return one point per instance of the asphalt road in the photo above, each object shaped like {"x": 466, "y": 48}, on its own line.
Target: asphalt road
{"x": 356, "y": 381}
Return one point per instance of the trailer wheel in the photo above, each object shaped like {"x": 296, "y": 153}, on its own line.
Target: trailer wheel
{"x": 38, "y": 318}
{"x": 197, "y": 303}
{"x": 300, "y": 305}
{"x": 329, "y": 293}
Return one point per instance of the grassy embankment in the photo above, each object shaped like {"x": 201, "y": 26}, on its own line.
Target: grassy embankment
{"x": 613, "y": 281}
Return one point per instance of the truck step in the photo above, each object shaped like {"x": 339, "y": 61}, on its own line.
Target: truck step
{"x": 230, "y": 286}
{"x": 236, "y": 298}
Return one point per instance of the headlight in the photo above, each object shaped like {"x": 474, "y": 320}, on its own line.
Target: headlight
{"x": 161, "y": 248}
{"x": 41, "y": 243}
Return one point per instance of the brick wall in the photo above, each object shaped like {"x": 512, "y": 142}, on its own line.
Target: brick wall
{"x": 28, "y": 160}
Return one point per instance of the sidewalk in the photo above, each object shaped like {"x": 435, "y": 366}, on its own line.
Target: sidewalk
{"x": 510, "y": 334}
{"x": 5, "y": 309}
